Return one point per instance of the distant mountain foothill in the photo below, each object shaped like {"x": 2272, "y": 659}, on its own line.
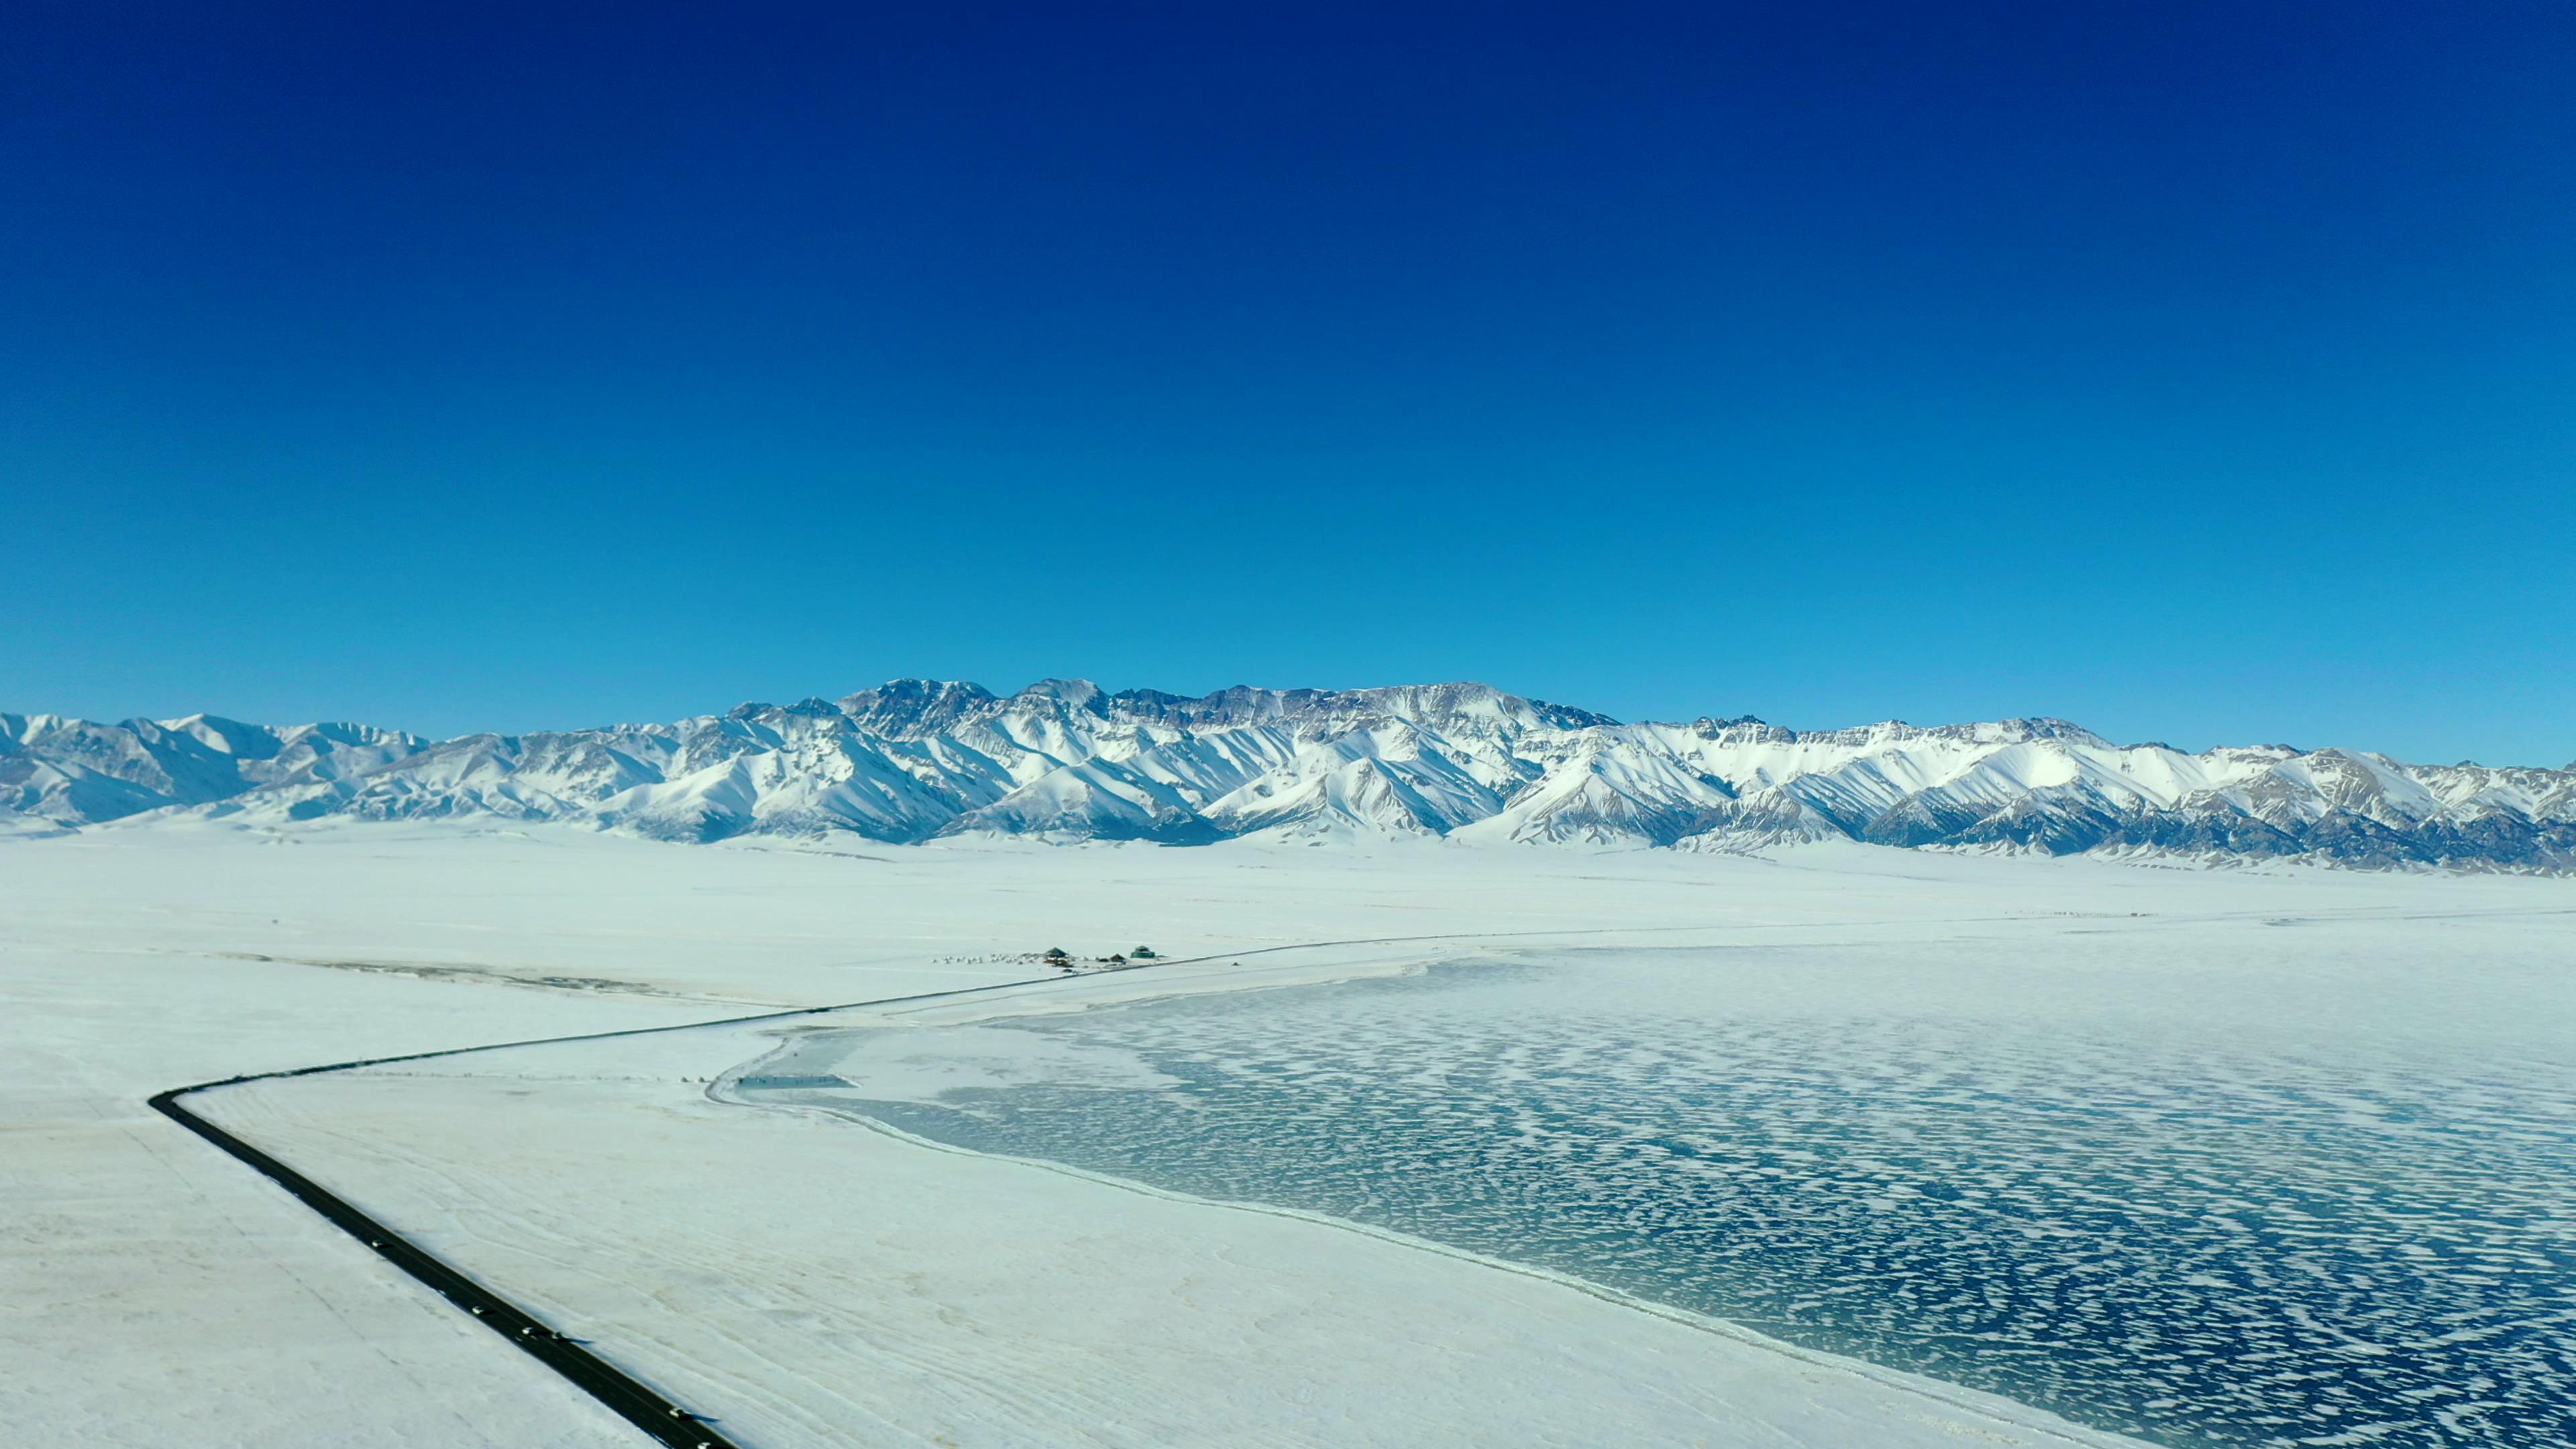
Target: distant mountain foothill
{"x": 1064, "y": 760}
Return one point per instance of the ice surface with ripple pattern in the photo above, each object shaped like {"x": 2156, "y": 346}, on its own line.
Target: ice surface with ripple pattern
{"x": 2275, "y": 1191}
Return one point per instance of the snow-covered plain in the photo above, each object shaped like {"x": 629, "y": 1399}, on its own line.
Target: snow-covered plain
{"x": 809, "y": 1282}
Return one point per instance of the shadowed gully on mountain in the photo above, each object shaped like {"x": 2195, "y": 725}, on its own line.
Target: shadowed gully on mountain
{"x": 1064, "y": 760}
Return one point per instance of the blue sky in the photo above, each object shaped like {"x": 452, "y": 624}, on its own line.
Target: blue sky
{"x": 2200, "y": 373}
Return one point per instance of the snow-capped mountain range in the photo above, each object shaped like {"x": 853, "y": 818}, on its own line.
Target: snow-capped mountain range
{"x": 914, "y": 760}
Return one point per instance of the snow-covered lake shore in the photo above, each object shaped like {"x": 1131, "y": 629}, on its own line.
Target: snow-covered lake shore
{"x": 910, "y": 1291}
{"x": 2223, "y": 1182}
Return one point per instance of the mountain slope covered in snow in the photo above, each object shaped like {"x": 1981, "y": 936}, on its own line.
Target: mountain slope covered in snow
{"x": 914, "y": 760}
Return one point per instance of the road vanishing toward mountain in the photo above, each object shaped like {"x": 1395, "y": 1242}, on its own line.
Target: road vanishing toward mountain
{"x": 661, "y": 1419}
{"x": 638, "y": 1403}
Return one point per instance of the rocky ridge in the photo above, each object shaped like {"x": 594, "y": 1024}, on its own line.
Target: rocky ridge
{"x": 914, "y": 760}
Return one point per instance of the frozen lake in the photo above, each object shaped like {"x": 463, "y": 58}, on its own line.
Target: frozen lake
{"x": 2282, "y": 1193}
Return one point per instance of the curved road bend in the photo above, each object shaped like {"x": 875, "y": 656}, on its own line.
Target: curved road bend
{"x": 660, "y": 1419}
{"x": 630, "y": 1399}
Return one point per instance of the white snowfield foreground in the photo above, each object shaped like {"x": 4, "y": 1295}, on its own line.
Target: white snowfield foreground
{"x": 820, "y": 1285}
{"x": 1064, "y": 760}
{"x": 813, "y": 1283}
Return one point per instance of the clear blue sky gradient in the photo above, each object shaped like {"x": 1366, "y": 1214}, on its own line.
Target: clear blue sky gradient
{"x": 2200, "y": 373}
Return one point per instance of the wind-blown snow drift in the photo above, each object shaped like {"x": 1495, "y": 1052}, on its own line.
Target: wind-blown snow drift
{"x": 1065, "y": 760}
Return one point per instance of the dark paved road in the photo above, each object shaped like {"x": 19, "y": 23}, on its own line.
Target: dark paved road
{"x": 632, "y": 1400}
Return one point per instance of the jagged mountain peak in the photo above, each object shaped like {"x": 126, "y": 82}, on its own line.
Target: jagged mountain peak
{"x": 810, "y": 707}
{"x": 1461, "y": 704}
{"x": 909, "y": 708}
{"x": 914, "y": 759}
{"x": 1074, "y": 693}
